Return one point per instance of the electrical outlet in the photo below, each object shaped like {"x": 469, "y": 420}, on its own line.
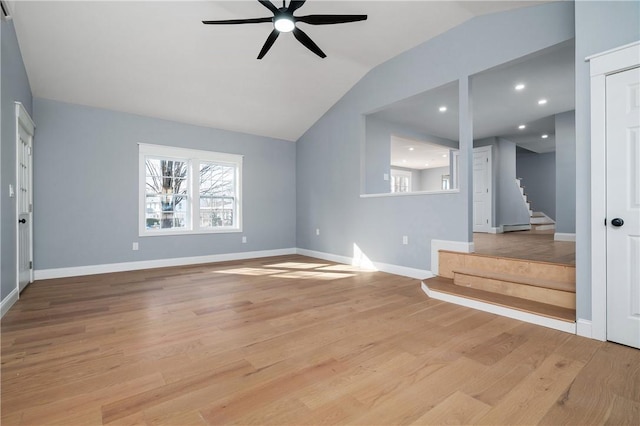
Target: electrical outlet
{"x": 317, "y": 231}
{"x": 385, "y": 176}
{"x": 405, "y": 239}
{"x": 244, "y": 239}
{"x": 135, "y": 246}
{"x": 12, "y": 193}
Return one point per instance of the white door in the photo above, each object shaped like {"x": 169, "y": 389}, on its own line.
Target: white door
{"x": 623, "y": 207}
{"x": 24, "y": 196}
{"x": 481, "y": 189}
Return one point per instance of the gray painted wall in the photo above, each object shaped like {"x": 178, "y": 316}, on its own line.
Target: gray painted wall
{"x": 600, "y": 26}
{"x": 331, "y": 202}
{"x": 14, "y": 87}
{"x": 538, "y": 173}
{"x": 431, "y": 179}
{"x": 566, "y": 172}
{"x": 86, "y": 188}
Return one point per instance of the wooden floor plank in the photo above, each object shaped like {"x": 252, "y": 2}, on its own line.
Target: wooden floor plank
{"x": 457, "y": 409}
{"x": 292, "y": 340}
{"x": 527, "y": 245}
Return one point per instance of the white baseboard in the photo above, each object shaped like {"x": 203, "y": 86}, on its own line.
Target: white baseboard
{"x": 567, "y": 327}
{"x": 559, "y": 236}
{"x": 437, "y": 245}
{"x": 496, "y": 230}
{"x": 45, "y": 274}
{"x": 584, "y": 328}
{"x": 405, "y": 271}
{"x": 8, "y": 302}
{"x": 326, "y": 256}
{"x": 512, "y": 228}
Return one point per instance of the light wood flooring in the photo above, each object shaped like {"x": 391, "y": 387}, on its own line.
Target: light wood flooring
{"x": 293, "y": 340}
{"x": 528, "y": 245}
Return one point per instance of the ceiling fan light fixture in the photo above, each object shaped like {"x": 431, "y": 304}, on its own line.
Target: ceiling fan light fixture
{"x": 284, "y": 24}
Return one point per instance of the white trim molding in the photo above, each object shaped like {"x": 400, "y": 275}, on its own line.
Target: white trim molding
{"x": 366, "y": 264}
{"x": 496, "y": 230}
{"x": 567, "y": 327}
{"x": 601, "y": 65}
{"x": 437, "y": 245}
{"x": 583, "y": 328}
{"x": 8, "y": 301}
{"x": 46, "y": 274}
{"x": 561, "y": 236}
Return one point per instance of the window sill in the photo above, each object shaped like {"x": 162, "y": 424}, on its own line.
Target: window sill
{"x": 185, "y": 232}
{"x": 407, "y": 194}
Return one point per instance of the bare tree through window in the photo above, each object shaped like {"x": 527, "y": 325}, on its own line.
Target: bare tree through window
{"x": 167, "y": 183}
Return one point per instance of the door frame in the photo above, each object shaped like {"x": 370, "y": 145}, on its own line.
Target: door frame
{"x": 601, "y": 65}
{"x": 23, "y": 119}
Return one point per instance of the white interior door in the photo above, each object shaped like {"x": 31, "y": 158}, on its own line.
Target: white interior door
{"x": 481, "y": 190}
{"x": 623, "y": 207}
{"x": 24, "y": 196}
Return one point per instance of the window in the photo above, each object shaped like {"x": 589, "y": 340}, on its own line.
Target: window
{"x": 185, "y": 191}
{"x": 400, "y": 181}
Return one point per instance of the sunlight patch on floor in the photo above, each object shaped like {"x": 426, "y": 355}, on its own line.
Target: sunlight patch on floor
{"x": 314, "y": 275}
{"x": 297, "y": 265}
{"x": 251, "y": 271}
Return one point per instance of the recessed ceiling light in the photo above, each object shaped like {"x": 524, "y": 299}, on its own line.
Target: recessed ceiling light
{"x": 442, "y": 108}
{"x": 542, "y": 101}
{"x": 404, "y": 161}
{"x": 522, "y": 126}
{"x": 545, "y": 136}
{"x": 520, "y": 86}
{"x": 411, "y": 148}
{"x": 426, "y": 164}
{"x": 444, "y": 155}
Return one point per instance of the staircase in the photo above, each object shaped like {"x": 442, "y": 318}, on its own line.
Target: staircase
{"x": 538, "y": 220}
{"x": 524, "y": 196}
{"x": 533, "y": 291}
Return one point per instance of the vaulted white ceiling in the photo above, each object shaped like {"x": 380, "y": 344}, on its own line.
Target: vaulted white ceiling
{"x": 156, "y": 58}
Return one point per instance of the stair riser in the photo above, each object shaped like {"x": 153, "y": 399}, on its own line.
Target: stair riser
{"x": 450, "y": 261}
{"x": 541, "y": 221}
{"x": 544, "y": 295}
{"x": 542, "y": 227}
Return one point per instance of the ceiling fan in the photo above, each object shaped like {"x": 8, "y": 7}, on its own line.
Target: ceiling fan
{"x": 284, "y": 22}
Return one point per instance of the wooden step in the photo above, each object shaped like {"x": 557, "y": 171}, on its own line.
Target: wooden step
{"x": 519, "y": 279}
{"x": 445, "y": 285}
{"x": 538, "y": 290}
{"x": 536, "y": 270}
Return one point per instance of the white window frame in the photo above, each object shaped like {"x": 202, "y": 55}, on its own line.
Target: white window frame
{"x": 194, "y": 158}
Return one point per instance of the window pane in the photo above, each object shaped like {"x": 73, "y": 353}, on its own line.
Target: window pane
{"x": 216, "y": 211}
{"x": 217, "y": 195}
{"x": 217, "y": 180}
{"x": 166, "y": 185}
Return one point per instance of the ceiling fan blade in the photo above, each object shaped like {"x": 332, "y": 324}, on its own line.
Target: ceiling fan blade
{"x": 295, "y": 5}
{"x": 269, "y": 5}
{"x": 239, "y": 21}
{"x": 308, "y": 43}
{"x": 267, "y": 44}
{"x": 330, "y": 19}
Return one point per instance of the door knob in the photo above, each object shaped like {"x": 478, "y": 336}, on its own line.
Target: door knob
{"x": 617, "y": 222}
{"x": 22, "y": 220}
